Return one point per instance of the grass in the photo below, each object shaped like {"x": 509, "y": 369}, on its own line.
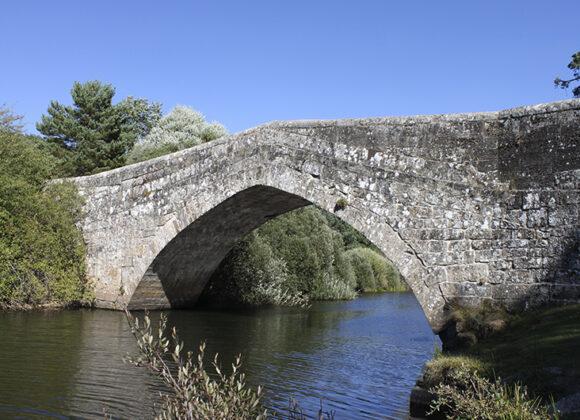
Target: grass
{"x": 438, "y": 370}
{"x": 539, "y": 350}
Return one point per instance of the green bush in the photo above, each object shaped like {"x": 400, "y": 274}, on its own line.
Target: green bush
{"x": 41, "y": 250}
{"x": 253, "y": 276}
{"x": 467, "y": 395}
{"x": 182, "y": 128}
{"x": 474, "y": 324}
{"x": 365, "y": 278}
{"x": 297, "y": 257}
{"x": 373, "y": 272}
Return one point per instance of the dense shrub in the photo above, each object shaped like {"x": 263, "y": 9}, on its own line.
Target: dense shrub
{"x": 41, "y": 250}
{"x": 183, "y": 127}
{"x": 297, "y": 257}
{"x": 476, "y": 323}
{"x": 253, "y": 276}
{"x": 467, "y": 395}
{"x": 373, "y": 272}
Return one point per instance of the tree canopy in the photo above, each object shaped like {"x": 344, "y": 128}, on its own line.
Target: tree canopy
{"x": 98, "y": 133}
{"x": 182, "y": 128}
{"x": 41, "y": 250}
{"x": 9, "y": 121}
{"x": 574, "y": 66}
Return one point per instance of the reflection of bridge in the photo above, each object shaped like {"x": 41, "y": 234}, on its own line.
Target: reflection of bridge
{"x": 469, "y": 207}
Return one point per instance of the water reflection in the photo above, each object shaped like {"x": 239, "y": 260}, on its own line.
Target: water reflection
{"x": 361, "y": 356}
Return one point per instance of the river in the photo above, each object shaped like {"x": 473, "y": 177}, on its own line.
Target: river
{"x": 361, "y": 357}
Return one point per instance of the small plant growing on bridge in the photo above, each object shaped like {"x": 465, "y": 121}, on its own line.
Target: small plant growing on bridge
{"x": 194, "y": 393}
{"x": 341, "y": 204}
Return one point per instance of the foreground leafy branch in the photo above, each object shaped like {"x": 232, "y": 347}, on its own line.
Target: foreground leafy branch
{"x": 194, "y": 394}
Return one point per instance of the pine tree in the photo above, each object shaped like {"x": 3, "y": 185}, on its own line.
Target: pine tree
{"x": 574, "y": 66}
{"x": 97, "y": 132}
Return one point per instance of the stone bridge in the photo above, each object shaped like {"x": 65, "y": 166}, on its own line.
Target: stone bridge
{"x": 468, "y": 207}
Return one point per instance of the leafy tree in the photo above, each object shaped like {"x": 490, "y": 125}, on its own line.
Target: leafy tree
{"x": 97, "y": 132}
{"x": 574, "y": 66}
{"x": 306, "y": 254}
{"x": 9, "y": 121}
{"x": 373, "y": 272}
{"x": 182, "y": 128}
{"x": 41, "y": 250}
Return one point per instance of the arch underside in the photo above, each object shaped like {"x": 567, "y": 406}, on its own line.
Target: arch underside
{"x": 178, "y": 275}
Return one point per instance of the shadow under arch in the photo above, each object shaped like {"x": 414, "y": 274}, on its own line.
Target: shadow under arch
{"x": 179, "y": 273}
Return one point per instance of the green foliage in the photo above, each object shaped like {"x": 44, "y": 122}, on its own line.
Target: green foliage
{"x": 253, "y": 276}
{"x": 351, "y": 237}
{"x": 97, "y": 133}
{"x": 298, "y": 257}
{"x": 341, "y": 204}
{"x": 194, "y": 393}
{"x": 438, "y": 370}
{"x": 474, "y": 324}
{"x": 373, "y": 273}
{"x": 9, "y": 121}
{"x": 41, "y": 250}
{"x": 182, "y": 128}
{"x": 574, "y": 66}
{"x": 467, "y": 395}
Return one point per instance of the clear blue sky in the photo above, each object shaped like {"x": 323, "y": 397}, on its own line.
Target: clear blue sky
{"x": 248, "y": 62}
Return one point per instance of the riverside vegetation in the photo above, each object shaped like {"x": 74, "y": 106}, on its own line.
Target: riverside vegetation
{"x": 507, "y": 366}
{"x": 41, "y": 251}
{"x": 304, "y": 255}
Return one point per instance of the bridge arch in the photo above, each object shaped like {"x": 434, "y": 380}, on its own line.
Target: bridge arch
{"x": 178, "y": 274}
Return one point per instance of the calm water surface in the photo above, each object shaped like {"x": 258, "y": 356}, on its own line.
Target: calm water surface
{"x": 362, "y": 357}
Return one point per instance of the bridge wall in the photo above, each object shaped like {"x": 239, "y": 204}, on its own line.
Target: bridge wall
{"x": 469, "y": 207}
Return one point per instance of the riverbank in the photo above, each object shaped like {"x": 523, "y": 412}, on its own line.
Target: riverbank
{"x": 539, "y": 349}
{"x": 47, "y": 306}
